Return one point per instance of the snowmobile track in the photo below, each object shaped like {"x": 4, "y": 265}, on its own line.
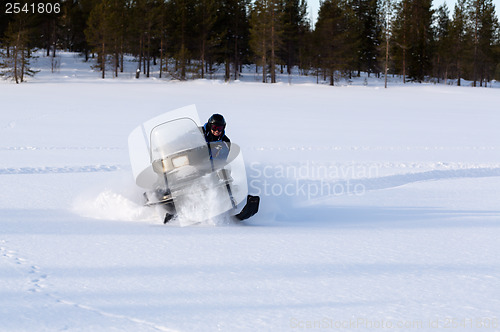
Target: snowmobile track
{"x": 59, "y": 170}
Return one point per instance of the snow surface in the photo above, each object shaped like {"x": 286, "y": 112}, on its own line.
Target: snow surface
{"x": 379, "y": 208}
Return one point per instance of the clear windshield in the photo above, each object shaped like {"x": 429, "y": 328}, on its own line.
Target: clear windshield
{"x": 175, "y": 136}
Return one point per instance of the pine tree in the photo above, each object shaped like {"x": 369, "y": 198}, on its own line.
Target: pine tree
{"x": 152, "y": 31}
{"x": 483, "y": 21}
{"x": 162, "y": 35}
{"x": 413, "y": 38}
{"x": 206, "y": 15}
{"x": 265, "y": 34}
{"x": 443, "y": 42}
{"x": 369, "y": 33}
{"x": 73, "y": 21}
{"x": 460, "y": 38}
{"x": 421, "y": 39}
{"x": 400, "y": 39}
{"x": 134, "y": 43}
{"x": 182, "y": 37}
{"x": 4, "y": 23}
{"x": 305, "y": 47}
{"x": 295, "y": 26}
{"x": 496, "y": 54}
{"x": 335, "y": 38}
{"x": 15, "y": 60}
{"x": 103, "y": 30}
{"x": 387, "y": 11}
{"x": 228, "y": 40}
{"x": 259, "y": 31}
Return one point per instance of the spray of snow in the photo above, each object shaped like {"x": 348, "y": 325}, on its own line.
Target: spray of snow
{"x": 203, "y": 205}
{"x": 116, "y": 200}
{"x": 112, "y": 206}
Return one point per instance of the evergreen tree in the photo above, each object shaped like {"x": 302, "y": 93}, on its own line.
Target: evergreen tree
{"x": 413, "y": 38}
{"x": 295, "y": 25}
{"x": 335, "y": 43}
{"x": 237, "y": 35}
{"x": 460, "y": 39}
{"x": 162, "y": 35}
{"x": 227, "y": 41}
{"x": 15, "y": 60}
{"x": 443, "y": 42}
{"x": 259, "y": 32}
{"x": 4, "y": 23}
{"x": 143, "y": 18}
{"x": 369, "y": 33}
{"x": 387, "y": 11}
{"x": 483, "y": 25}
{"x": 400, "y": 37}
{"x": 306, "y": 51}
{"x": 74, "y": 18}
{"x": 496, "y": 54}
{"x": 152, "y": 32}
{"x": 103, "y": 30}
{"x": 135, "y": 42}
{"x": 421, "y": 39}
{"x": 265, "y": 34}
{"x": 182, "y": 36}
{"x": 206, "y": 15}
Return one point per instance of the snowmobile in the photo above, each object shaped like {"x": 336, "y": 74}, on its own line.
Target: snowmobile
{"x": 186, "y": 176}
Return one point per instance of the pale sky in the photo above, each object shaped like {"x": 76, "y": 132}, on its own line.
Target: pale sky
{"x": 313, "y": 7}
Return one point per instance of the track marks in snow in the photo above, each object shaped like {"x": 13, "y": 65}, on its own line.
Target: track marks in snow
{"x": 38, "y": 282}
{"x": 36, "y": 285}
{"x": 118, "y": 203}
{"x": 365, "y": 148}
{"x": 59, "y": 148}
{"x": 315, "y": 189}
{"x": 35, "y": 279}
{"x": 393, "y": 181}
{"x": 59, "y": 170}
{"x": 117, "y": 316}
{"x": 319, "y": 182}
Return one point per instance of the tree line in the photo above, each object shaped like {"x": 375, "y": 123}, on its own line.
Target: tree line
{"x": 194, "y": 38}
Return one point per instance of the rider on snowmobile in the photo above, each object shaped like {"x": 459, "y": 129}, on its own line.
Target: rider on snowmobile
{"x": 214, "y": 129}
{"x": 218, "y": 146}
{"x": 214, "y": 133}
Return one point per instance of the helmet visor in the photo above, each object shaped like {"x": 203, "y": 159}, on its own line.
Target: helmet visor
{"x": 217, "y": 128}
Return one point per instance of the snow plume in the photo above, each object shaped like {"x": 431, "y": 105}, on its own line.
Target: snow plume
{"x": 116, "y": 201}
{"x": 204, "y": 205}
{"x": 112, "y": 206}
{"x": 120, "y": 199}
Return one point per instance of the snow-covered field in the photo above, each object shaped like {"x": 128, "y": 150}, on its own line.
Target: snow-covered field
{"x": 380, "y": 209}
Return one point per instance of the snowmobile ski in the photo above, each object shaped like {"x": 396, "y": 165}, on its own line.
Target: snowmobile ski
{"x": 251, "y": 208}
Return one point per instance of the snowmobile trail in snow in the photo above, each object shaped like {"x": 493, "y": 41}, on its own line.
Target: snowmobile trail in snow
{"x": 65, "y": 169}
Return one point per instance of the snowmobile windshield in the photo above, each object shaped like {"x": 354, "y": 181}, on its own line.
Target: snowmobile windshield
{"x": 175, "y": 136}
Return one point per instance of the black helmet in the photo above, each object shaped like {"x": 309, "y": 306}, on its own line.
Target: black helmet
{"x": 217, "y": 120}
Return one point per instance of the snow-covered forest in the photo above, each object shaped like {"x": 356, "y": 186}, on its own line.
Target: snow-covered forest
{"x": 196, "y": 38}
